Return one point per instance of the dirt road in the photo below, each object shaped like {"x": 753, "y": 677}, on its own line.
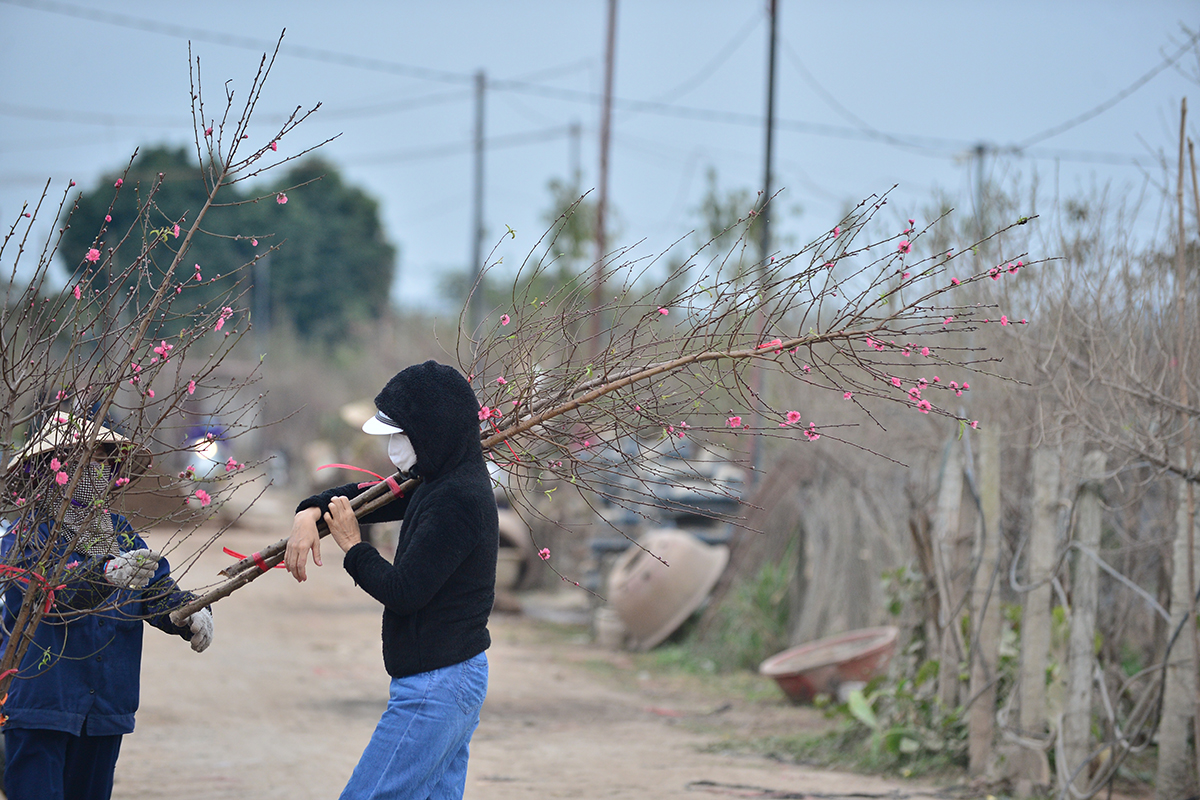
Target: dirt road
{"x": 284, "y": 701}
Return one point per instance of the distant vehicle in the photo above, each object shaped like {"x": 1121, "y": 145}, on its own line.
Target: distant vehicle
{"x": 206, "y": 456}
{"x": 205, "y": 452}
{"x": 680, "y": 483}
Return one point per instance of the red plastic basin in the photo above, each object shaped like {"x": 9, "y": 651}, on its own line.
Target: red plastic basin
{"x": 820, "y": 666}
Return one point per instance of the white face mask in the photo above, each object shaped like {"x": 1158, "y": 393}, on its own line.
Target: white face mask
{"x": 400, "y": 452}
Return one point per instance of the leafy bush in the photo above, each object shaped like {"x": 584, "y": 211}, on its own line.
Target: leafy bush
{"x": 909, "y": 729}
{"x": 752, "y": 621}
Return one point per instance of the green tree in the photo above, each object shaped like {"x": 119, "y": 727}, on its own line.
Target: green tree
{"x": 107, "y": 217}
{"x": 333, "y": 266}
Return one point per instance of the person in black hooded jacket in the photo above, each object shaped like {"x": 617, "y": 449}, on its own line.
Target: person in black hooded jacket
{"x": 437, "y": 593}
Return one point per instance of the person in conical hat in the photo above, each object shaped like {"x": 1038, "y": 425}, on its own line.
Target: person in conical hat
{"x": 63, "y": 439}
{"x": 76, "y": 690}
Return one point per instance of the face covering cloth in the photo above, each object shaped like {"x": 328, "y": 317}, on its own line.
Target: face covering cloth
{"x": 400, "y": 452}
{"x": 87, "y": 514}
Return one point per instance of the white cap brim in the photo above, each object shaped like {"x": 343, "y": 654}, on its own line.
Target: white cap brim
{"x": 381, "y": 425}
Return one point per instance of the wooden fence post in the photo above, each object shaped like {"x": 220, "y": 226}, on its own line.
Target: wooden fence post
{"x": 945, "y": 529}
{"x": 1033, "y": 773}
{"x": 1174, "y": 777}
{"x": 1077, "y": 716}
{"x": 985, "y": 609}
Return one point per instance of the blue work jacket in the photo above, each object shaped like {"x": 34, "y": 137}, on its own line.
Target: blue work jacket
{"x": 81, "y": 674}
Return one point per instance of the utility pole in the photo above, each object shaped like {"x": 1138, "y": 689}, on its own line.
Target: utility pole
{"x": 768, "y": 149}
{"x": 475, "y": 315}
{"x": 610, "y": 47}
{"x": 757, "y": 376}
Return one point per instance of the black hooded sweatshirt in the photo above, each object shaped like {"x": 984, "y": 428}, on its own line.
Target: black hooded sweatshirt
{"x": 440, "y": 588}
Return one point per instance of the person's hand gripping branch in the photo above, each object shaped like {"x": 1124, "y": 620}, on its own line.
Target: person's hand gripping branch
{"x": 201, "y": 624}
{"x": 342, "y": 524}
{"x": 133, "y": 569}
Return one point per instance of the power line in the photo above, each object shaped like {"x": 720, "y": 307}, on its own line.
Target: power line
{"x": 76, "y": 117}
{"x": 1112, "y": 101}
{"x": 1083, "y": 156}
{"x": 390, "y": 157}
{"x": 932, "y": 146}
{"x": 331, "y": 112}
{"x": 455, "y": 148}
{"x": 706, "y": 71}
{"x": 864, "y": 127}
{"x": 514, "y": 85}
{"x": 244, "y": 42}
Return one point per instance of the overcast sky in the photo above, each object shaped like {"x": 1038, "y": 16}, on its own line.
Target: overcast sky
{"x": 869, "y": 94}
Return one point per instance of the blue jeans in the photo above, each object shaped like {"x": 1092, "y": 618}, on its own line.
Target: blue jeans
{"x": 419, "y": 748}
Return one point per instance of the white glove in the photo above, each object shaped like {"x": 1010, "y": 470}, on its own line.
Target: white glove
{"x": 132, "y": 570}
{"x": 201, "y": 624}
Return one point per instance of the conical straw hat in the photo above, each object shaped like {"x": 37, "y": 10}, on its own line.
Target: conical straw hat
{"x": 654, "y": 599}
{"x": 65, "y": 434}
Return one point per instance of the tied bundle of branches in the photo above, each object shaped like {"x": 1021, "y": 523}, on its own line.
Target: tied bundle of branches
{"x": 137, "y": 345}
{"x": 592, "y": 396}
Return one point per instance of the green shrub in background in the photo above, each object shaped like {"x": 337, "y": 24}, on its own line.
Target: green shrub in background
{"x": 752, "y": 620}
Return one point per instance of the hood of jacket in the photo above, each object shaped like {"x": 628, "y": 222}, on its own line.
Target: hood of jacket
{"x": 438, "y": 411}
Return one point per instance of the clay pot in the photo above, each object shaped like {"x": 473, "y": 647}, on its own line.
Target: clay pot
{"x": 654, "y": 599}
